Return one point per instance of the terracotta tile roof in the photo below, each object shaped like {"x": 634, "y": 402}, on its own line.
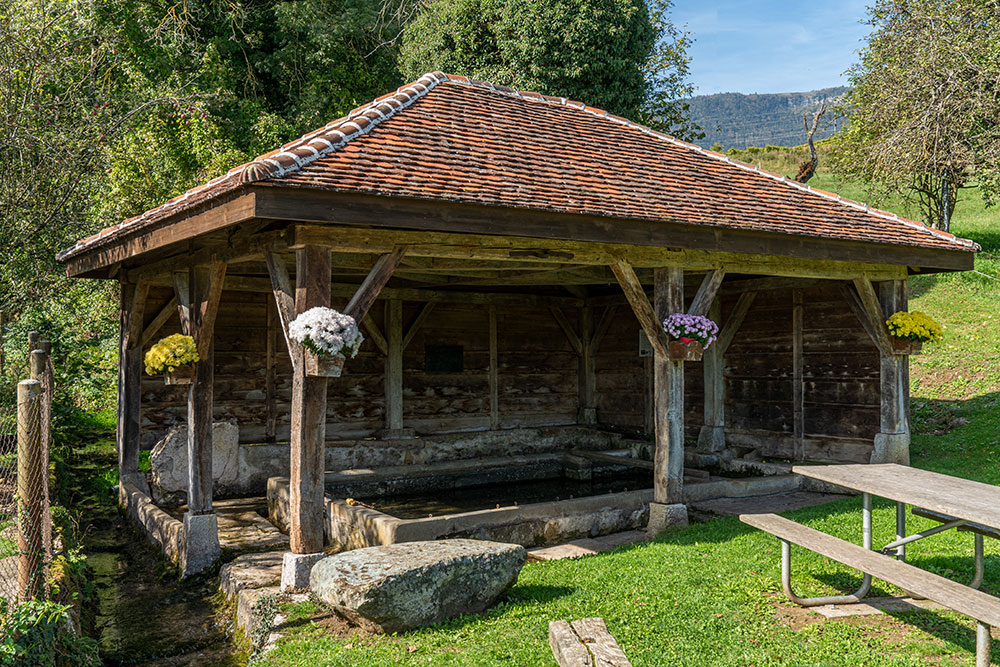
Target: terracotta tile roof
{"x": 446, "y": 137}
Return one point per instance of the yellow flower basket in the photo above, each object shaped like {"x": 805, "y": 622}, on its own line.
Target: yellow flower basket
{"x": 173, "y": 356}
{"x": 910, "y": 331}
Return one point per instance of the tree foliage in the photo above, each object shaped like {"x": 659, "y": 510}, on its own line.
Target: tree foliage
{"x": 619, "y": 55}
{"x": 925, "y": 104}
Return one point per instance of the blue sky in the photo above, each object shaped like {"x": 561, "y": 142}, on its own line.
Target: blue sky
{"x": 771, "y": 47}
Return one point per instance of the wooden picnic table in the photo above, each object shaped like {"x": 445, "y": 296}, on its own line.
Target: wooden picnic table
{"x": 956, "y": 497}
{"x": 954, "y": 502}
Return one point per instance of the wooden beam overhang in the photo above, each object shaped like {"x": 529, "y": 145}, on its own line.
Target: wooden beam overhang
{"x": 537, "y": 235}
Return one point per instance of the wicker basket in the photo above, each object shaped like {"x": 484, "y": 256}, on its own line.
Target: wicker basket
{"x": 681, "y": 351}
{"x": 906, "y": 346}
{"x": 324, "y": 365}
{"x": 180, "y": 375}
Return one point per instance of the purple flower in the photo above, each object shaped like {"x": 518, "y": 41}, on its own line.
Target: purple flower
{"x": 699, "y": 327}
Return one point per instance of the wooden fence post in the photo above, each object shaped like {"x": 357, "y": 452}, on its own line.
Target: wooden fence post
{"x": 40, "y": 365}
{"x": 31, "y": 504}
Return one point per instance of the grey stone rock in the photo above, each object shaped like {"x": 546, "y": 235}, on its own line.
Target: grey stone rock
{"x": 169, "y": 462}
{"x": 664, "y": 517}
{"x": 403, "y": 586}
{"x": 295, "y": 570}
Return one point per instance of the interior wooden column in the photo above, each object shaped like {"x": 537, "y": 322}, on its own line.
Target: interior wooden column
{"x": 133, "y": 301}
{"x": 394, "y": 366}
{"x": 892, "y": 444}
{"x": 712, "y": 437}
{"x": 198, "y": 293}
{"x": 494, "y": 370}
{"x": 668, "y": 483}
{"x": 586, "y": 373}
{"x": 308, "y": 436}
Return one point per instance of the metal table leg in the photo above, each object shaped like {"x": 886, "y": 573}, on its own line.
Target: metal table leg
{"x": 866, "y": 582}
{"x": 982, "y": 644}
{"x": 901, "y": 530}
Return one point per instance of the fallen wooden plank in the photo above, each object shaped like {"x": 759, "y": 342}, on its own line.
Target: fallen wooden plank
{"x": 585, "y": 643}
{"x": 613, "y": 458}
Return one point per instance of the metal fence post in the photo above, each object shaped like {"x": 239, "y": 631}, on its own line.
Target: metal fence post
{"x": 31, "y": 504}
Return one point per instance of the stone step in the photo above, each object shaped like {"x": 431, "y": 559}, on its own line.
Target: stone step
{"x": 586, "y": 547}
{"x": 743, "y": 487}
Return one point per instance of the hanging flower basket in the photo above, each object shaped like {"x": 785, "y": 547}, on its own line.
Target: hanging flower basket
{"x": 174, "y": 357}
{"x": 690, "y": 336}
{"x": 909, "y": 331}
{"x": 324, "y": 365}
{"x": 685, "y": 349}
{"x": 328, "y": 337}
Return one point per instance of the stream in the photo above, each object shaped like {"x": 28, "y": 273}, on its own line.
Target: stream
{"x": 139, "y": 611}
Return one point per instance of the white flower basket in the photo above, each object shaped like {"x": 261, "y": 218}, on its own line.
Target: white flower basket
{"x": 329, "y": 338}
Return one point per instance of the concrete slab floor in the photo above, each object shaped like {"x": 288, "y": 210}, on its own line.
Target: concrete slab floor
{"x": 874, "y": 607}
{"x": 587, "y": 546}
{"x": 773, "y": 503}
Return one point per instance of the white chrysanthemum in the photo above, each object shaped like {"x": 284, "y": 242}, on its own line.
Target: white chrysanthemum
{"x": 325, "y": 331}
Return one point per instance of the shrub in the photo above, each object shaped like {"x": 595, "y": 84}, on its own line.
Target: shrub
{"x": 40, "y": 633}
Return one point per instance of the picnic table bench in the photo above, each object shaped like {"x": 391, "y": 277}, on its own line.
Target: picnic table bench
{"x": 954, "y": 503}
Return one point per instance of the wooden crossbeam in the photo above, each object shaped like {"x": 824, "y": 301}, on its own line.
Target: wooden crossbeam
{"x": 735, "y": 321}
{"x": 376, "y": 336}
{"x": 636, "y": 297}
{"x": 567, "y": 328}
{"x": 873, "y": 309}
{"x": 418, "y": 321}
{"x": 854, "y": 302}
{"x": 182, "y": 295}
{"x": 706, "y": 292}
{"x": 284, "y": 298}
{"x": 607, "y": 319}
{"x": 366, "y": 295}
{"x": 161, "y": 318}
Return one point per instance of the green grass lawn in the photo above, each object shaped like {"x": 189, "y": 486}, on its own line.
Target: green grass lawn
{"x": 710, "y": 594}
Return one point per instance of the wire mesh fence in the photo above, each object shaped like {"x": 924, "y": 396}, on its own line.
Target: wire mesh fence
{"x": 8, "y": 502}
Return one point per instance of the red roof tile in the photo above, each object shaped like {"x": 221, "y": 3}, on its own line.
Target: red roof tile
{"x": 445, "y": 137}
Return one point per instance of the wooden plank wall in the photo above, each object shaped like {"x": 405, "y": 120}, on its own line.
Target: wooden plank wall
{"x": 838, "y": 372}
{"x": 537, "y": 378}
{"x": 537, "y": 373}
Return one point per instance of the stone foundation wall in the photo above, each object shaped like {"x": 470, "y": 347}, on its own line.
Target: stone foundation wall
{"x": 255, "y": 464}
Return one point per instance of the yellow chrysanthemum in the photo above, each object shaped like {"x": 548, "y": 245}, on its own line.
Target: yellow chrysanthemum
{"x": 171, "y": 352}
{"x": 914, "y": 326}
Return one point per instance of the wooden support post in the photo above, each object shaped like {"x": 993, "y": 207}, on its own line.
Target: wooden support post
{"x": 494, "y": 371}
{"x": 892, "y": 444}
{"x": 130, "y": 335}
{"x": 363, "y": 299}
{"x": 798, "y": 393}
{"x": 712, "y": 437}
{"x": 312, "y": 289}
{"x": 586, "y": 374}
{"x": 668, "y": 482}
{"x": 705, "y": 296}
{"x": 270, "y": 390}
{"x": 394, "y": 367}
{"x": 204, "y": 289}
{"x": 32, "y": 508}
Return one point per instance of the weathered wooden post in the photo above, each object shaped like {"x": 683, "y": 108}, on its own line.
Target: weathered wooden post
{"x": 198, "y": 292}
{"x": 31, "y": 504}
{"x": 393, "y": 368}
{"x": 3, "y": 331}
{"x": 892, "y": 444}
{"x": 586, "y": 374}
{"x": 128, "y": 435}
{"x": 667, "y": 509}
{"x": 712, "y": 437}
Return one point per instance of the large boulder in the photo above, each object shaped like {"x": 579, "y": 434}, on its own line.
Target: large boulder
{"x": 398, "y": 587}
{"x": 169, "y": 462}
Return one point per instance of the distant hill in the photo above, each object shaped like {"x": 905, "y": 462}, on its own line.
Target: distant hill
{"x": 737, "y": 121}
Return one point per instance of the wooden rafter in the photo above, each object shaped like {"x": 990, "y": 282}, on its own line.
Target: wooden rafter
{"x": 366, "y": 295}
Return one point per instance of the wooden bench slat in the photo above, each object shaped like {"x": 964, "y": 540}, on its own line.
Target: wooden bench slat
{"x": 961, "y": 598}
{"x": 970, "y": 527}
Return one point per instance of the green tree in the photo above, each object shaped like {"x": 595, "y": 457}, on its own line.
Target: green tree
{"x": 613, "y": 54}
{"x": 925, "y": 103}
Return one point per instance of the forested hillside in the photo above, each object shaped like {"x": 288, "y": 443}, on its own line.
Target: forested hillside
{"x": 736, "y": 120}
